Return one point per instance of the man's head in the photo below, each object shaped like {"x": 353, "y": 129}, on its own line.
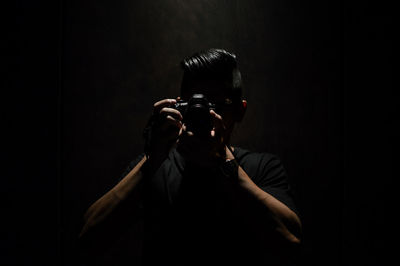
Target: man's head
{"x": 215, "y": 74}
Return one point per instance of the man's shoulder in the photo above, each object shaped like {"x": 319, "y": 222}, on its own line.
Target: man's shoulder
{"x": 247, "y": 156}
{"x": 260, "y": 166}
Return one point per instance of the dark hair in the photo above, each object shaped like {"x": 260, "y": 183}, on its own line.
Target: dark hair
{"x": 211, "y": 64}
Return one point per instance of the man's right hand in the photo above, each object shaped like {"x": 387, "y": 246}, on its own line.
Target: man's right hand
{"x": 166, "y": 127}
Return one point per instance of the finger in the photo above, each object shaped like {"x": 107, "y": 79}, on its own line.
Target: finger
{"x": 180, "y": 131}
{"x": 217, "y": 120}
{"x": 189, "y": 133}
{"x": 171, "y": 122}
{"x": 184, "y": 128}
{"x": 185, "y": 131}
{"x": 172, "y": 112}
{"x": 161, "y": 104}
{"x": 218, "y": 123}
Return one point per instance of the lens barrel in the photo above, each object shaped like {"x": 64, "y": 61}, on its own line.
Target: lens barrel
{"x": 196, "y": 114}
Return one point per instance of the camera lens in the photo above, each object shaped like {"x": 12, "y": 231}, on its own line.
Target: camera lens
{"x": 197, "y": 116}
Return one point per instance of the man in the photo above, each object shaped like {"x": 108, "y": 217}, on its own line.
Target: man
{"x": 202, "y": 201}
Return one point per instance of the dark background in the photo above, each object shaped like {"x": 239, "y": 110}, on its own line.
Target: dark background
{"x": 81, "y": 78}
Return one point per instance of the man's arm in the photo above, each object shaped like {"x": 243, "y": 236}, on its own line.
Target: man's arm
{"x": 279, "y": 223}
{"x": 285, "y": 223}
{"x": 115, "y": 211}
{"x": 111, "y": 215}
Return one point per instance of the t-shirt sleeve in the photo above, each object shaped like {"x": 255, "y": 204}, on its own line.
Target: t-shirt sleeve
{"x": 272, "y": 178}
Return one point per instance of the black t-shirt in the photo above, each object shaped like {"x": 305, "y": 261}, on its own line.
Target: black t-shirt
{"x": 199, "y": 217}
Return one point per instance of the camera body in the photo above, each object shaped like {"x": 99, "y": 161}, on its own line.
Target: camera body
{"x": 196, "y": 114}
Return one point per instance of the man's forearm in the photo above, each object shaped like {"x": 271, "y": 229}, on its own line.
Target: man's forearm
{"x": 110, "y": 216}
{"x": 284, "y": 221}
{"x": 104, "y": 207}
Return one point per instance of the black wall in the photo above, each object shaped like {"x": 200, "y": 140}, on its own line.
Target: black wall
{"x": 83, "y": 75}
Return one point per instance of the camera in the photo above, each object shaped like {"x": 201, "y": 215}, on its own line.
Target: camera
{"x": 196, "y": 114}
